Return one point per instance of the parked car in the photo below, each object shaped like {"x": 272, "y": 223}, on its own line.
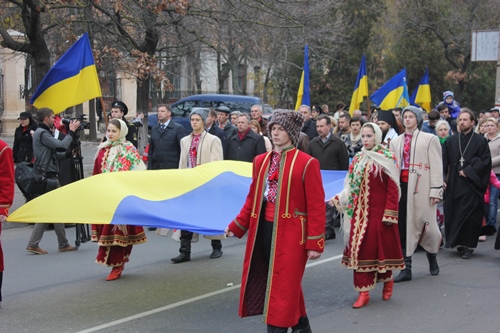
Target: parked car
{"x": 182, "y": 108}
{"x": 267, "y": 111}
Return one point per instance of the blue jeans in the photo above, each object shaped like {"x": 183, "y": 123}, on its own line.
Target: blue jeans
{"x": 492, "y": 215}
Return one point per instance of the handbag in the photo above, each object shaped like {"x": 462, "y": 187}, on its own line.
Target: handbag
{"x": 29, "y": 179}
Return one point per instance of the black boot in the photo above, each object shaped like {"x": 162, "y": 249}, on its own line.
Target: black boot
{"x": 433, "y": 264}
{"x": 303, "y": 326}
{"x": 276, "y": 329}
{"x": 185, "y": 252}
{"x": 216, "y": 249}
{"x": 405, "y": 274}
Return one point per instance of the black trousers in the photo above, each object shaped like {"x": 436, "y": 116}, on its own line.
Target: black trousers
{"x": 402, "y": 215}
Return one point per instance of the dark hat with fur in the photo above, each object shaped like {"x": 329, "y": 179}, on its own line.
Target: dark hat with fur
{"x": 292, "y": 122}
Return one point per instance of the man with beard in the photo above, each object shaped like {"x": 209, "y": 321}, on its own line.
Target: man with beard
{"x": 344, "y": 129}
{"x": 386, "y": 122}
{"x": 467, "y": 167}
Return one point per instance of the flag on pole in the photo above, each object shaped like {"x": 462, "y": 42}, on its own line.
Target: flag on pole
{"x": 394, "y": 93}
{"x": 360, "y": 87}
{"x": 304, "y": 95}
{"x": 71, "y": 81}
{"x": 422, "y": 94}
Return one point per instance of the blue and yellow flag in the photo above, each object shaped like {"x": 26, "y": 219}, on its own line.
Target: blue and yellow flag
{"x": 422, "y": 94}
{"x": 394, "y": 93}
{"x": 304, "y": 94}
{"x": 204, "y": 199}
{"x": 360, "y": 87}
{"x": 71, "y": 81}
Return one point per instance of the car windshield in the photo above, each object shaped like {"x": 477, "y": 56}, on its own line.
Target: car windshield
{"x": 233, "y": 106}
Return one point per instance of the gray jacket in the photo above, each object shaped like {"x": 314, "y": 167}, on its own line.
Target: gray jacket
{"x": 45, "y": 145}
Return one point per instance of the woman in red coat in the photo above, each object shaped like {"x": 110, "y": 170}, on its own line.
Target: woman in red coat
{"x": 369, "y": 202}
{"x": 116, "y": 241}
{"x": 6, "y": 193}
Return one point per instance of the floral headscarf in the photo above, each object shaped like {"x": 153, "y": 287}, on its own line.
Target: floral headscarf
{"x": 120, "y": 155}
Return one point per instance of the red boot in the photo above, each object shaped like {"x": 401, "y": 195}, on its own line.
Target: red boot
{"x": 387, "y": 292}
{"x": 363, "y": 299}
{"x": 115, "y": 273}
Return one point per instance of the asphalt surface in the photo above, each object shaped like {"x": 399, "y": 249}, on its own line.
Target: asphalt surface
{"x": 67, "y": 292}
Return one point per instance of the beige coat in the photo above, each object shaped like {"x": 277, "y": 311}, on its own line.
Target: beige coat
{"x": 425, "y": 181}
{"x": 495, "y": 153}
{"x": 209, "y": 150}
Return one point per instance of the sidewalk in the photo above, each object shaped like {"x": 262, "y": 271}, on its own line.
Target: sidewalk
{"x": 88, "y": 152}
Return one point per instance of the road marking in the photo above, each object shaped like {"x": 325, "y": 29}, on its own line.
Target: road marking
{"x": 186, "y": 301}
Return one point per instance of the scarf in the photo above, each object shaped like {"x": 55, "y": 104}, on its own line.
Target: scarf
{"x": 442, "y": 140}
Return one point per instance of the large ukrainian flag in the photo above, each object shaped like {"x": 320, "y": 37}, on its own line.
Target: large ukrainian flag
{"x": 71, "y": 81}
{"x": 422, "y": 94}
{"x": 394, "y": 93}
{"x": 304, "y": 94}
{"x": 204, "y": 199}
{"x": 360, "y": 87}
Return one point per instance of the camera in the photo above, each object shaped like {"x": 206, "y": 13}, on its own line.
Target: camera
{"x": 84, "y": 124}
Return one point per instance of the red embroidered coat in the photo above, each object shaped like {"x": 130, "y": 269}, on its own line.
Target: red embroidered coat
{"x": 374, "y": 245}
{"x": 299, "y": 226}
{"x": 6, "y": 186}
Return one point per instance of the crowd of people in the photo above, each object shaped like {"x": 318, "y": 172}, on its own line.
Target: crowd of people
{"x": 402, "y": 164}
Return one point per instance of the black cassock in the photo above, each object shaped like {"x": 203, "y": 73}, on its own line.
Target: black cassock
{"x": 464, "y": 197}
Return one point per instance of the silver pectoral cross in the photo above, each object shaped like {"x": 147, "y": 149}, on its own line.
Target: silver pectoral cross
{"x": 462, "y": 161}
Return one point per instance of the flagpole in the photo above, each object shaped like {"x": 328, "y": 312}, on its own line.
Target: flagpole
{"x": 104, "y": 112}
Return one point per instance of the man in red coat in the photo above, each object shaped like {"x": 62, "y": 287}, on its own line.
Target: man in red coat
{"x": 6, "y": 193}
{"x": 284, "y": 215}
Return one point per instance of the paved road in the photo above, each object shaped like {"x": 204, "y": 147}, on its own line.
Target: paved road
{"x": 67, "y": 292}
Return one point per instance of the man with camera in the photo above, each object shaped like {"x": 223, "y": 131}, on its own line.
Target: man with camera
{"x": 46, "y": 157}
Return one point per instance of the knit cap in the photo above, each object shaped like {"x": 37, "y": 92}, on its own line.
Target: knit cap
{"x": 202, "y": 112}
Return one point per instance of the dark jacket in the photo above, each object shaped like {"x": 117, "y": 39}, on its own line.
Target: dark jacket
{"x": 310, "y": 129}
{"x": 218, "y": 132}
{"x": 245, "y": 150}
{"x": 132, "y": 133}
{"x": 23, "y": 143}
{"x": 230, "y": 130}
{"x": 165, "y": 146}
{"x": 332, "y": 155}
{"x": 45, "y": 145}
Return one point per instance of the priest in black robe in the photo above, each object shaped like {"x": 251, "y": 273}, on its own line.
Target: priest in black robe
{"x": 467, "y": 166}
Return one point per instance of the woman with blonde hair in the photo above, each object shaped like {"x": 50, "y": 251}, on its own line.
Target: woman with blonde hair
{"x": 116, "y": 241}
{"x": 442, "y": 130}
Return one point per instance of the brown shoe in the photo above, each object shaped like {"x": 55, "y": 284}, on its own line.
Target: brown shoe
{"x": 68, "y": 248}
{"x": 36, "y": 250}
